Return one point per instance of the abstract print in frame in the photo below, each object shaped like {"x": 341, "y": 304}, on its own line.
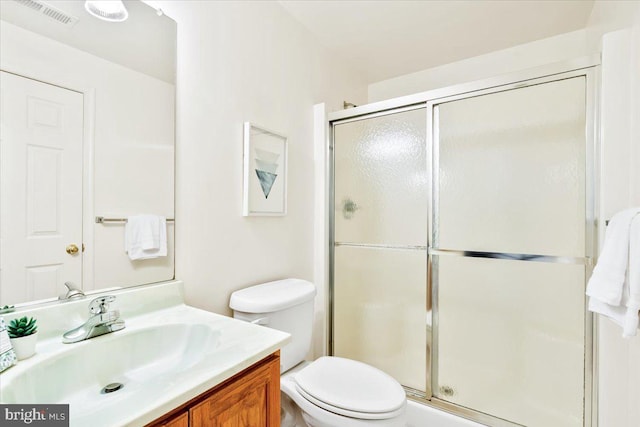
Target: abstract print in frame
{"x": 265, "y": 172}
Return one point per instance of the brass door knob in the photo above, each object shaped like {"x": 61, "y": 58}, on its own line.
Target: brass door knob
{"x": 72, "y": 249}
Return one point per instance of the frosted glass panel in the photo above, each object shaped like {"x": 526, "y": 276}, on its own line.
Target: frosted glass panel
{"x": 381, "y": 180}
{"x": 511, "y": 339}
{"x": 512, "y": 171}
{"x": 380, "y": 314}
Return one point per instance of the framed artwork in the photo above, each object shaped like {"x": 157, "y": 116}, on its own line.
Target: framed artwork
{"x": 265, "y": 172}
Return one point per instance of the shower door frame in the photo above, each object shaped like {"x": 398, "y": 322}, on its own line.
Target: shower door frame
{"x": 588, "y": 67}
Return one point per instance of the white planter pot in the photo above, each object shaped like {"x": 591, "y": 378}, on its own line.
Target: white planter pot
{"x": 24, "y": 347}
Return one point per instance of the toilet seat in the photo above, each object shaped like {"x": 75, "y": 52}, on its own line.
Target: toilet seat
{"x": 350, "y": 388}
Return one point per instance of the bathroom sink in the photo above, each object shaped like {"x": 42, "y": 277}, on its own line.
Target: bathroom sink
{"x": 152, "y": 357}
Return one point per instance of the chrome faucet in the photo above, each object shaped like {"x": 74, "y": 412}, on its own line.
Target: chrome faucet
{"x": 73, "y": 292}
{"x": 102, "y": 321}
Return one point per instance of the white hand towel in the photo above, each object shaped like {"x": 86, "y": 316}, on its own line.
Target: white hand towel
{"x": 607, "y": 281}
{"x": 614, "y": 287}
{"x": 145, "y": 237}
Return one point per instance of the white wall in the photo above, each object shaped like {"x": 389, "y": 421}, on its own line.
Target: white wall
{"x": 619, "y": 367}
{"x": 133, "y": 147}
{"x": 245, "y": 61}
{"x": 635, "y": 111}
{"x": 611, "y": 15}
{"x": 620, "y": 139}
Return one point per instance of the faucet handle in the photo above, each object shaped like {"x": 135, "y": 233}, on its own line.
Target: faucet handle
{"x": 110, "y": 316}
{"x": 72, "y": 292}
{"x": 101, "y": 304}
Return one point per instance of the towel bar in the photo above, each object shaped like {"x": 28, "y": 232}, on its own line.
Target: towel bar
{"x": 102, "y": 220}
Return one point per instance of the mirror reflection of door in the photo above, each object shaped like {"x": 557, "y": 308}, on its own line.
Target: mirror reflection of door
{"x": 40, "y": 189}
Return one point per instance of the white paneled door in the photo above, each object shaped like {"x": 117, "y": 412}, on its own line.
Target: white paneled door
{"x": 40, "y": 189}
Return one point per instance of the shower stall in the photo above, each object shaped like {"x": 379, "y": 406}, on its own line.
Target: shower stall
{"x": 462, "y": 231}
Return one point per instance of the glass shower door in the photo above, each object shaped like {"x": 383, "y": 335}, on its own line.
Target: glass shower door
{"x": 508, "y": 253}
{"x": 380, "y": 242}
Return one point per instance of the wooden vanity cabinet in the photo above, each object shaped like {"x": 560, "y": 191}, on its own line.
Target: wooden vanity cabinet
{"x": 250, "y": 398}
{"x": 180, "y": 420}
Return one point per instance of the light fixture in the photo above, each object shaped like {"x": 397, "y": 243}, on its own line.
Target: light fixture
{"x": 107, "y": 10}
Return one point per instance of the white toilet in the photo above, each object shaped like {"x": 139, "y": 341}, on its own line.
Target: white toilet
{"x": 331, "y": 391}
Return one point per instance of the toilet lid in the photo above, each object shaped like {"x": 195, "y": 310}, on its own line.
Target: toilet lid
{"x": 351, "y": 388}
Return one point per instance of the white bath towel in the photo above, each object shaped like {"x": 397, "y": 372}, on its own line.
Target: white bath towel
{"x": 145, "y": 237}
{"x": 614, "y": 287}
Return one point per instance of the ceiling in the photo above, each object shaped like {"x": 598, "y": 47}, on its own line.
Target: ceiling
{"x": 385, "y": 39}
{"x": 145, "y": 42}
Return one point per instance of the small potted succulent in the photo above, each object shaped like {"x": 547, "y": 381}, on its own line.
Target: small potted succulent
{"x": 23, "y": 334}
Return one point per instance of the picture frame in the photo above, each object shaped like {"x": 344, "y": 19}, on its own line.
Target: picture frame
{"x": 265, "y": 172}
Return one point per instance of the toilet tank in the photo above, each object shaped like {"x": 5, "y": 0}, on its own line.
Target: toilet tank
{"x": 285, "y": 305}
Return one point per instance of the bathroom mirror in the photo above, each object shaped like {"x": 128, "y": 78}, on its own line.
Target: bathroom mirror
{"x": 88, "y": 132}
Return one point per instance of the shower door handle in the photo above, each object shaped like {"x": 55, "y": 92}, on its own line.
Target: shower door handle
{"x": 513, "y": 256}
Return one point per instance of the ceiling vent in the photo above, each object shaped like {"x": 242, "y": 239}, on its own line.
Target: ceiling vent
{"x": 49, "y": 11}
